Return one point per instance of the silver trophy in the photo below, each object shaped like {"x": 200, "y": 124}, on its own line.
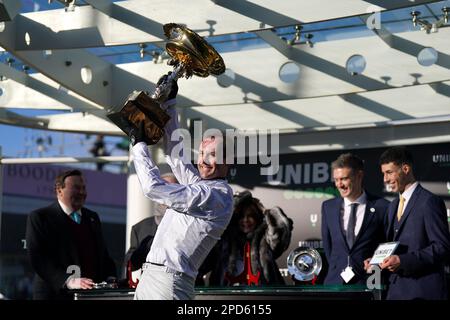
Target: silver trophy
{"x": 304, "y": 263}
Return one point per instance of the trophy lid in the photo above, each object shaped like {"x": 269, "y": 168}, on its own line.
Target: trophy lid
{"x": 188, "y": 48}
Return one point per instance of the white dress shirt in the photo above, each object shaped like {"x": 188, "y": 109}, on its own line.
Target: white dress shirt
{"x": 408, "y": 193}
{"x": 362, "y": 200}
{"x": 67, "y": 210}
{"x": 198, "y": 210}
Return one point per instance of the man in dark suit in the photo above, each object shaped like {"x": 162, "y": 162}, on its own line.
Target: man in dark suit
{"x": 418, "y": 221}
{"x": 352, "y": 225}
{"x": 143, "y": 232}
{"x": 66, "y": 238}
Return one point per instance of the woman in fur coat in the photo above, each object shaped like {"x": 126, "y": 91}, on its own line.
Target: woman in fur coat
{"x": 247, "y": 251}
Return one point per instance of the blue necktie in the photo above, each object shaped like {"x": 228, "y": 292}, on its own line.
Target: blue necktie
{"x": 76, "y": 217}
{"x": 351, "y": 226}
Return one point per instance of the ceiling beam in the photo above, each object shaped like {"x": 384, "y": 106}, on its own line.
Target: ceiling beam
{"x": 103, "y": 23}
{"x": 109, "y": 85}
{"x": 375, "y": 107}
{"x": 15, "y": 119}
{"x": 441, "y": 88}
{"x": 264, "y": 15}
{"x": 129, "y": 17}
{"x": 409, "y": 47}
{"x": 366, "y": 137}
{"x": 61, "y": 96}
{"x": 76, "y": 122}
{"x": 327, "y": 67}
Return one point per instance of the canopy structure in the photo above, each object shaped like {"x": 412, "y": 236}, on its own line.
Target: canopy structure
{"x": 325, "y": 74}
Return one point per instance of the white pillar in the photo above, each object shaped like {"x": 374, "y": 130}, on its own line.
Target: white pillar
{"x": 138, "y": 206}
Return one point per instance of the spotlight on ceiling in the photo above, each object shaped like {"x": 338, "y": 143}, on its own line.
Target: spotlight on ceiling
{"x": 298, "y": 29}
{"x": 442, "y": 21}
{"x": 424, "y": 24}
{"x": 308, "y": 38}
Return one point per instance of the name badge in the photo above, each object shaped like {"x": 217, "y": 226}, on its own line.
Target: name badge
{"x": 347, "y": 274}
{"x": 383, "y": 251}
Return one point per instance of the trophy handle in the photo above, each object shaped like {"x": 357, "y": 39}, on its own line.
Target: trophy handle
{"x": 163, "y": 89}
{"x": 141, "y": 107}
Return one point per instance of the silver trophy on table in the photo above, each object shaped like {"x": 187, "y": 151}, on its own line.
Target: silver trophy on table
{"x": 304, "y": 263}
{"x": 190, "y": 55}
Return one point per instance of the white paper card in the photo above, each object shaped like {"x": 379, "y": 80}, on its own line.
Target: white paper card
{"x": 347, "y": 274}
{"x": 383, "y": 251}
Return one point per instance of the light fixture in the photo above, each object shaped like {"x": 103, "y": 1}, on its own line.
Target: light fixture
{"x": 308, "y": 38}
{"x": 355, "y": 65}
{"x": 445, "y": 10}
{"x": 442, "y": 21}
{"x": 289, "y": 72}
{"x": 414, "y": 15}
{"x": 142, "y": 51}
{"x": 86, "y": 74}
{"x": 156, "y": 56}
{"x": 424, "y": 24}
{"x": 226, "y": 79}
{"x": 427, "y": 26}
{"x": 10, "y": 61}
{"x": 159, "y": 56}
{"x": 427, "y": 56}
{"x": 298, "y": 29}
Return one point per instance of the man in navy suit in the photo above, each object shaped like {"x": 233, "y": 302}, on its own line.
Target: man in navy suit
{"x": 352, "y": 225}
{"x": 419, "y": 223}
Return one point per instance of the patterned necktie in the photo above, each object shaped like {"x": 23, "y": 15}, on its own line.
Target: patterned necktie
{"x": 76, "y": 217}
{"x": 350, "y": 236}
{"x": 400, "y": 208}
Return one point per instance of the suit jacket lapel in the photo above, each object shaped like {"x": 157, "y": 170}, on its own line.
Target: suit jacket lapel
{"x": 367, "y": 219}
{"x": 408, "y": 209}
{"x": 94, "y": 229}
{"x": 63, "y": 222}
{"x": 338, "y": 220}
{"x": 391, "y": 216}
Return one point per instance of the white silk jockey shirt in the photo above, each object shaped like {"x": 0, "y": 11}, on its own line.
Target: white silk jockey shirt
{"x": 198, "y": 210}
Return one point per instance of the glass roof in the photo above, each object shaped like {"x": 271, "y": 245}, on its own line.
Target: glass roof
{"x": 394, "y": 21}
